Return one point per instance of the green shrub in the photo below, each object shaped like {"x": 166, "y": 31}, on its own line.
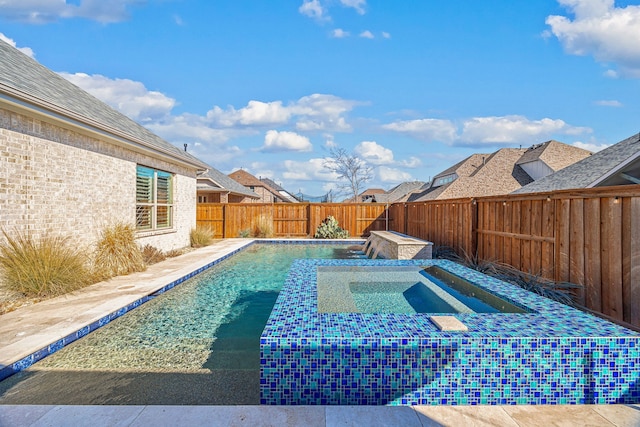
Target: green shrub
{"x": 329, "y": 229}
{"x": 262, "y": 227}
{"x": 244, "y": 233}
{"x": 46, "y": 267}
{"x": 201, "y": 236}
{"x": 152, "y": 255}
{"x": 117, "y": 252}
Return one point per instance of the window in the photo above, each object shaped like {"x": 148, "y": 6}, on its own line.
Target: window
{"x": 445, "y": 180}
{"x": 154, "y": 199}
{"x": 202, "y": 199}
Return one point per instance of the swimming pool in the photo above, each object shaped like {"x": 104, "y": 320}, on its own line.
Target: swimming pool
{"x": 549, "y": 354}
{"x": 198, "y": 344}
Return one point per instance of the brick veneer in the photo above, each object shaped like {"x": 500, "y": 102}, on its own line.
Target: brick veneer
{"x": 62, "y": 181}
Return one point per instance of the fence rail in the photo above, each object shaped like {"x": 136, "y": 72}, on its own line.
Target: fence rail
{"x": 291, "y": 219}
{"x": 590, "y": 237}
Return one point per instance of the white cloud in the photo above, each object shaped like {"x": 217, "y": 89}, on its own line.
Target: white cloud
{"x": 263, "y": 113}
{"x": 608, "y": 103}
{"x": 320, "y": 112}
{"x": 329, "y": 142}
{"x": 313, "y": 9}
{"x": 608, "y": 33}
{"x": 358, "y": 5}
{"x": 612, "y": 74}
{"x": 26, "y": 50}
{"x": 210, "y": 132}
{"x": 191, "y": 127}
{"x": 315, "y": 112}
{"x": 411, "y": 162}
{"x": 386, "y": 35}
{"x": 319, "y": 9}
{"x": 425, "y": 129}
{"x": 339, "y": 33}
{"x": 275, "y": 141}
{"x": 311, "y": 170}
{"x": 42, "y": 11}
{"x": 367, "y": 34}
{"x": 392, "y": 175}
{"x": 485, "y": 130}
{"x": 127, "y": 96}
{"x": 374, "y": 153}
{"x": 593, "y": 147}
{"x": 512, "y": 129}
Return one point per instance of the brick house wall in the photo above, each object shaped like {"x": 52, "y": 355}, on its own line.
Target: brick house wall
{"x": 62, "y": 181}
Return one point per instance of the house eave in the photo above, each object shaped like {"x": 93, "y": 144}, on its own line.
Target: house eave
{"x": 615, "y": 170}
{"x": 23, "y": 103}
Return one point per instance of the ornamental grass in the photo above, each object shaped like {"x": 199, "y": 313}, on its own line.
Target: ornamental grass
{"x": 201, "y": 236}
{"x": 44, "y": 267}
{"x": 117, "y": 252}
{"x": 262, "y": 226}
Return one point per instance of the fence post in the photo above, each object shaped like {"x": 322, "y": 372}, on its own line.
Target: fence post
{"x": 474, "y": 228}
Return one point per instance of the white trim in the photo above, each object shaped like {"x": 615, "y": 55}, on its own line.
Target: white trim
{"x": 615, "y": 170}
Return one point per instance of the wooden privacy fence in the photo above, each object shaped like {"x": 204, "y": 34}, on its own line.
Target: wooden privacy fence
{"x": 291, "y": 219}
{"x": 589, "y": 237}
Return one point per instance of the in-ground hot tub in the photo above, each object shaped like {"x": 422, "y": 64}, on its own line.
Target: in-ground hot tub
{"x": 547, "y": 353}
{"x": 403, "y": 289}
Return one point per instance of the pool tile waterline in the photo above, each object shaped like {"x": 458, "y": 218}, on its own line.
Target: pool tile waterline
{"x": 554, "y": 355}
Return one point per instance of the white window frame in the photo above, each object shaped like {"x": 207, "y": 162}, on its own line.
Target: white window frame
{"x": 155, "y": 211}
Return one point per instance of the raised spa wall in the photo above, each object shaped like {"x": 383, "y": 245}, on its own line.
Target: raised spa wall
{"x": 553, "y": 354}
{"x": 392, "y": 245}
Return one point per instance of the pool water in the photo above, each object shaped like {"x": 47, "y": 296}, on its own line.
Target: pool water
{"x": 402, "y": 290}
{"x": 197, "y": 344}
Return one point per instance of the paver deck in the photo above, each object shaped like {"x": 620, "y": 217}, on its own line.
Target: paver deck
{"x": 33, "y": 327}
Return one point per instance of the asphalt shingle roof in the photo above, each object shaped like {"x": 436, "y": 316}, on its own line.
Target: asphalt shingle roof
{"x": 554, "y": 154}
{"x": 23, "y": 78}
{"x": 227, "y": 183}
{"x": 399, "y": 192}
{"x": 587, "y": 172}
{"x": 479, "y": 175}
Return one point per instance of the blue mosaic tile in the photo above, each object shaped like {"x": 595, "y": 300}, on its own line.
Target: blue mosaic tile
{"x": 552, "y": 355}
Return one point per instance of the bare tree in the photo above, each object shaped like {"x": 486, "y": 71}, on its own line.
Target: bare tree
{"x": 352, "y": 171}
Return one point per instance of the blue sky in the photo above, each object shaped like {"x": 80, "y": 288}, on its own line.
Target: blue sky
{"x": 410, "y": 86}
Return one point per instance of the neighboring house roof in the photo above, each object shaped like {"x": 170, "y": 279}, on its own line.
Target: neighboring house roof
{"x": 616, "y": 165}
{"x": 248, "y": 180}
{"x": 214, "y": 180}
{"x": 554, "y": 154}
{"x": 372, "y": 192}
{"x": 478, "y": 175}
{"x": 398, "y": 193}
{"x": 367, "y": 195}
{"x": 283, "y": 193}
{"x": 26, "y": 84}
